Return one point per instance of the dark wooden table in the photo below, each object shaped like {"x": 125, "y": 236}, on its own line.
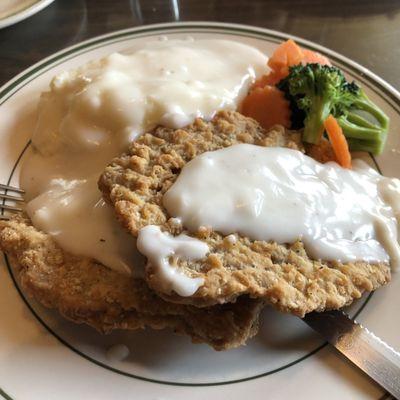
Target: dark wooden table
{"x": 368, "y": 31}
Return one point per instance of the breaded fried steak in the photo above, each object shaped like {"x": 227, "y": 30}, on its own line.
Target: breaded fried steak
{"x": 85, "y": 291}
{"x": 282, "y": 274}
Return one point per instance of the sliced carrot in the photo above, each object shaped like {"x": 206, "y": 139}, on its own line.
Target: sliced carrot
{"x": 270, "y": 79}
{"x": 312, "y": 57}
{"x": 261, "y": 82}
{"x": 338, "y": 141}
{"x": 274, "y": 77}
{"x": 285, "y": 55}
{"x": 268, "y": 106}
{"x": 265, "y": 103}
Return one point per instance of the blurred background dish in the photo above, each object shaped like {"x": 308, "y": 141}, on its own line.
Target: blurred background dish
{"x": 13, "y": 11}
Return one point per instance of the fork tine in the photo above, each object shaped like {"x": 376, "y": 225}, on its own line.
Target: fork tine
{"x": 4, "y": 197}
{"x": 9, "y": 197}
{"x": 10, "y": 208}
{"x": 11, "y": 188}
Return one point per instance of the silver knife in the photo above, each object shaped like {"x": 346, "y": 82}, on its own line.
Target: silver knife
{"x": 371, "y": 354}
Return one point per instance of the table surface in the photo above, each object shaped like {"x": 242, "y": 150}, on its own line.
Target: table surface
{"x": 368, "y": 31}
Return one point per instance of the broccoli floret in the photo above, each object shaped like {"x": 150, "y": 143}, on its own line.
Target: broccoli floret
{"x": 315, "y": 91}
{"x": 364, "y": 124}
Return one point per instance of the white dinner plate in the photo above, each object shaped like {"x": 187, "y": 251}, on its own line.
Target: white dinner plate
{"x": 43, "y": 356}
{"x": 13, "y": 11}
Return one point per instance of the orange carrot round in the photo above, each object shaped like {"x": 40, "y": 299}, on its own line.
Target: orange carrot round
{"x": 270, "y": 79}
{"x": 267, "y": 106}
{"x": 286, "y": 55}
{"x": 312, "y": 57}
{"x": 265, "y": 103}
{"x": 338, "y": 141}
{"x": 261, "y": 82}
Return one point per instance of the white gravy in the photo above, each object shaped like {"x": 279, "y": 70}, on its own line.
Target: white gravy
{"x": 160, "y": 247}
{"x": 118, "y": 352}
{"x": 279, "y": 194}
{"x": 89, "y": 115}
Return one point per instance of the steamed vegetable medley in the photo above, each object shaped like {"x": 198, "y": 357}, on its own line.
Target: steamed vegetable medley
{"x": 304, "y": 91}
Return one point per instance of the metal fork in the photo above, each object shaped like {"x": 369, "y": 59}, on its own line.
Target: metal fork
{"x": 16, "y": 197}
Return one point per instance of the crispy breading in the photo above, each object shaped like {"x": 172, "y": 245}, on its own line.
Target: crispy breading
{"x": 283, "y": 275}
{"x": 85, "y": 291}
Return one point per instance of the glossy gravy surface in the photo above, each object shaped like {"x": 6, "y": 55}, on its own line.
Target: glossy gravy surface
{"x": 279, "y": 194}
{"x": 89, "y": 116}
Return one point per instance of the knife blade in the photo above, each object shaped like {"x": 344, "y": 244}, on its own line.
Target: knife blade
{"x": 371, "y": 354}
